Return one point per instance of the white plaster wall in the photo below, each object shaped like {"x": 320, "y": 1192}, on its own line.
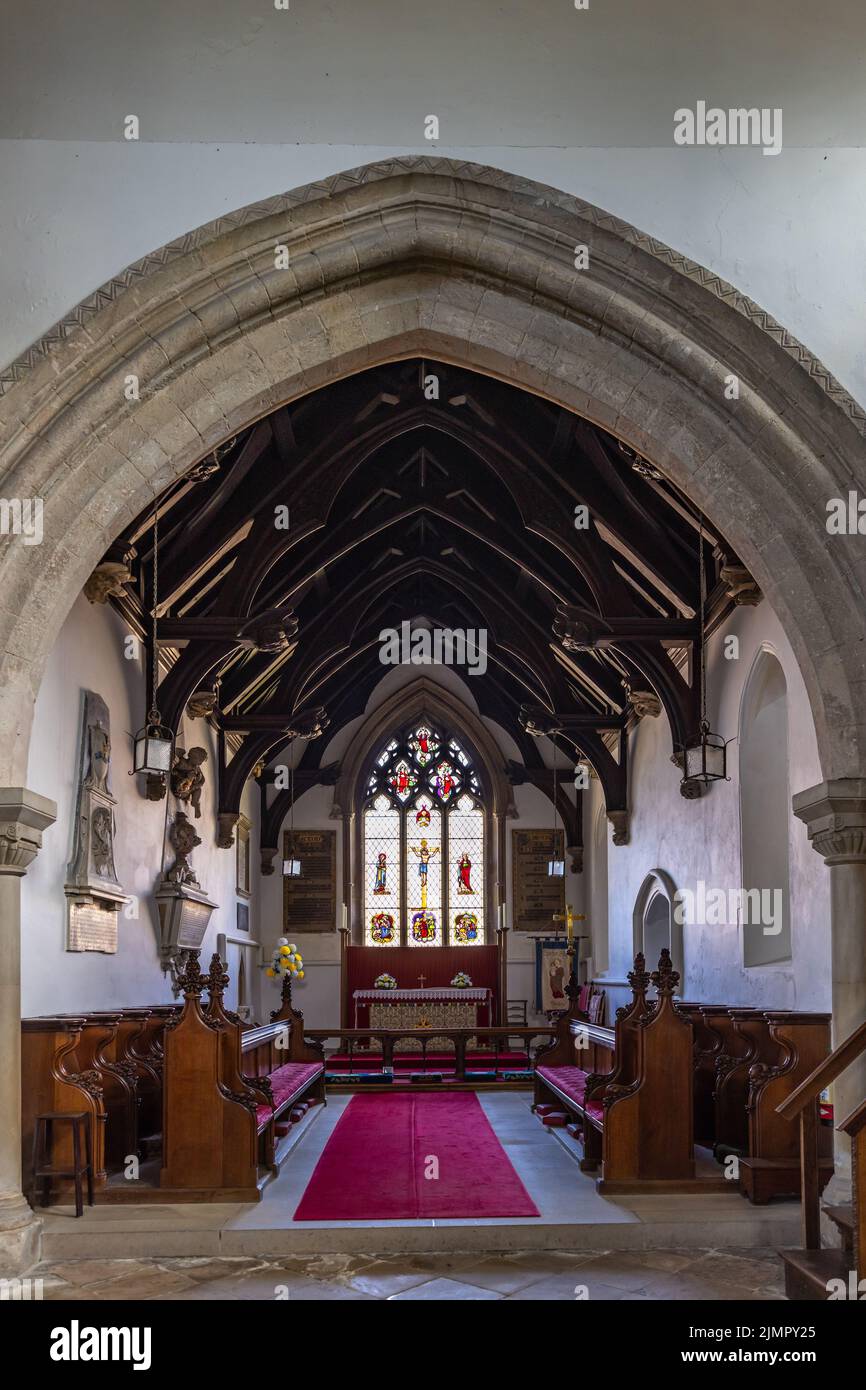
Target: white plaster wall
{"x": 89, "y": 655}
{"x": 691, "y": 840}
{"x": 238, "y": 101}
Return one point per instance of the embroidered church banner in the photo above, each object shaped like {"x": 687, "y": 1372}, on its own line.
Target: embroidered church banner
{"x": 551, "y": 975}
{"x": 535, "y": 895}
{"x": 310, "y": 900}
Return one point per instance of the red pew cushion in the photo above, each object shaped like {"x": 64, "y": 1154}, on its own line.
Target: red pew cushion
{"x": 570, "y": 1080}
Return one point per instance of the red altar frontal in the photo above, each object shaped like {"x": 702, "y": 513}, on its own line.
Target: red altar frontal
{"x": 408, "y": 964}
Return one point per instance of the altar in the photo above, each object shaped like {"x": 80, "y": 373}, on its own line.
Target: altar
{"x": 444, "y": 1006}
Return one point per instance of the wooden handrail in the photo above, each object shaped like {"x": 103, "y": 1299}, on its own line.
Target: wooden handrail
{"x": 818, "y": 1080}
{"x": 856, "y": 1121}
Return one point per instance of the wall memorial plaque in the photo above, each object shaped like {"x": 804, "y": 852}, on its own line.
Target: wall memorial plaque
{"x": 535, "y": 896}
{"x": 310, "y": 900}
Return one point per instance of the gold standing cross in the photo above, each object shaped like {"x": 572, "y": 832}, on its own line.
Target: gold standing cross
{"x": 421, "y": 980}
{"x": 569, "y": 917}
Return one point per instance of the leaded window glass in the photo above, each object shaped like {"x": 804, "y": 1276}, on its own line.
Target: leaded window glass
{"x": 423, "y": 843}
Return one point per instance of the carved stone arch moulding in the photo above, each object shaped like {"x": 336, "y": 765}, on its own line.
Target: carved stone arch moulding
{"x": 424, "y": 699}
{"x": 424, "y": 256}
{"x": 658, "y": 885}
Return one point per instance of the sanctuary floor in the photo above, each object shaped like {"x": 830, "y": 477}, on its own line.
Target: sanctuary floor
{"x": 575, "y": 1220}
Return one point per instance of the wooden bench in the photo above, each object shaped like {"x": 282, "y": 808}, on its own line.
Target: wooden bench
{"x": 115, "y": 1055}
{"x": 636, "y": 1116}
{"x": 54, "y": 1082}
{"x": 771, "y": 1165}
{"x": 225, "y": 1089}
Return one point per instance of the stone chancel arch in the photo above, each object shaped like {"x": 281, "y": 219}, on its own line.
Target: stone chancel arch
{"x": 427, "y": 258}
{"x": 413, "y": 257}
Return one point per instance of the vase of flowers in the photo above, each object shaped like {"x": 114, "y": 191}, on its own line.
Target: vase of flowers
{"x": 286, "y": 960}
{"x": 384, "y": 982}
{"x": 461, "y": 980}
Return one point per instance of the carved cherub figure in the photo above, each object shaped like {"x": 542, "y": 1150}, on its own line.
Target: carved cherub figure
{"x": 187, "y": 778}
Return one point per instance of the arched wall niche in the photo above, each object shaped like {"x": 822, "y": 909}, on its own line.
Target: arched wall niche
{"x": 765, "y": 815}
{"x": 417, "y": 256}
{"x": 654, "y": 922}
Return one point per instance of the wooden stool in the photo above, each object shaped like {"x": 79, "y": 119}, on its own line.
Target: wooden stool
{"x": 43, "y": 1144}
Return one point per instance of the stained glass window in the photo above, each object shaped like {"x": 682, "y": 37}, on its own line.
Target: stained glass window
{"x": 424, "y": 850}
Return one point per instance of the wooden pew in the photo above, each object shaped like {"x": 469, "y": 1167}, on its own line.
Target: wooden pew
{"x": 746, "y": 1041}
{"x": 209, "y": 1129}
{"x": 771, "y": 1165}
{"x": 274, "y": 1060}
{"x": 708, "y": 1047}
{"x": 97, "y": 1050}
{"x": 52, "y": 1081}
{"x": 636, "y": 1115}
{"x": 224, "y": 1090}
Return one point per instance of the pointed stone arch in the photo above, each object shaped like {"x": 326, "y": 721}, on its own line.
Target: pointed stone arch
{"x": 425, "y": 256}
{"x": 417, "y": 256}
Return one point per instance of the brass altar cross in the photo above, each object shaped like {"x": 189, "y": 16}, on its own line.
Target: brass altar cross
{"x": 421, "y": 979}
{"x": 570, "y": 917}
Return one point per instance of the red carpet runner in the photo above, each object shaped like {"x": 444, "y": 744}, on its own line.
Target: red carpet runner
{"x": 373, "y": 1166}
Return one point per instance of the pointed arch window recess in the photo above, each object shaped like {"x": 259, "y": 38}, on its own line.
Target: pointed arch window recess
{"x": 423, "y": 843}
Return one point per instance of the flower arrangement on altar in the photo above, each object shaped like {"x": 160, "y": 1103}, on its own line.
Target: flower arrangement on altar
{"x": 384, "y": 982}
{"x": 461, "y": 981}
{"x": 287, "y": 961}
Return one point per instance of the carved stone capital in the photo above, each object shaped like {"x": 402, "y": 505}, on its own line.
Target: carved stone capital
{"x": 23, "y": 817}
{"x": 268, "y": 855}
{"x": 835, "y": 815}
{"x": 575, "y": 854}
{"x": 619, "y": 821}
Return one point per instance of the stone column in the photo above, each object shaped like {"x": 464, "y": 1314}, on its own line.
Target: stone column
{"x": 835, "y": 814}
{"x": 23, "y": 817}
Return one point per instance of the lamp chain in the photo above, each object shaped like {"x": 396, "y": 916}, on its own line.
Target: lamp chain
{"x": 703, "y": 588}
{"x": 154, "y": 716}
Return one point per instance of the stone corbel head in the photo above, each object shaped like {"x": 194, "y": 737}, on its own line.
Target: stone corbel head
{"x": 537, "y": 721}
{"x": 272, "y": 631}
{"x": 645, "y": 703}
{"x": 741, "y": 587}
{"x": 619, "y": 821}
{"x": 578, "y": 629}
{"x": 226, "y": 822}
{"x": 310, "y": 723}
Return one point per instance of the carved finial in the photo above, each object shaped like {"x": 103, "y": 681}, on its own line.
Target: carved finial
{"x": 191, "y": 980}
{"x": 218, "y": 977}
{"x": 665, "y": 978}
{"x": 639, "y": 978}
